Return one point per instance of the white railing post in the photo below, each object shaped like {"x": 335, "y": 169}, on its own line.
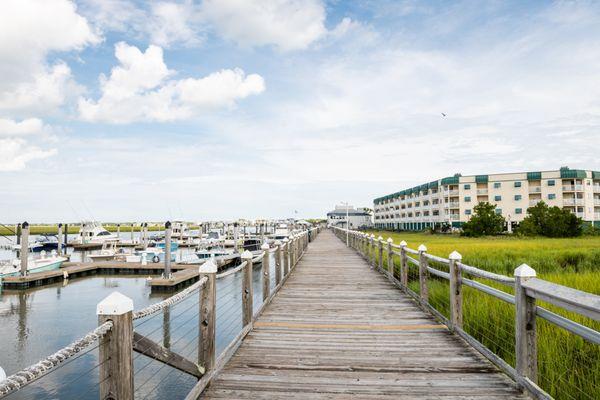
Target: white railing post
{"x": 423, "y": 264}
{"x": 456, "y": 315}
{"x": 116, "y": 347}
{"x": 526, "y": 340}
{"x": 403, "y": 264}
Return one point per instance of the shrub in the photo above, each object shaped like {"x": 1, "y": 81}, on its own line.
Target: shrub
{"x": 551, "y": 222}
{"x": 484, "y": 221}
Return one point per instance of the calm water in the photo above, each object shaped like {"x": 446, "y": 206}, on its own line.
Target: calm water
{"x": 36, "y": 322}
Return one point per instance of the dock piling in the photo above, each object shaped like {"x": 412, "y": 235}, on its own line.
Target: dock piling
{"x": 277, "y": 262}
{"x": 208, "y": 295}
{"x": 168, "y": 231}
{"x": 59, "y": 244}
{"x": 456, "y": 314}
{"x": 286, "y": 257}
{"x": 24, "y": 254}
{"x": 266, "y": 272}
{"x": 247, "y": 291}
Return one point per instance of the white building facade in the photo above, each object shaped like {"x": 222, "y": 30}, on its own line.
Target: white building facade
{"x": 451, "y": 200}
{"x": 348, "y": 216}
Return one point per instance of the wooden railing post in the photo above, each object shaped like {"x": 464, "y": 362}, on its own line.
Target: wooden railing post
{"x": 403, "y": 264}
{"x": 168, "y": 231}
{"x": 286, "y": 257}
{"x": 24, "y": 252}
{"x": 390, "y": 258}
{"x": 277, "y": 262}
{"x": 266, "y": 272}
{"x": 456, "y": 315}
{"x": 372, "y": 250}
{"x": 208, "y": 307}
{"x": 526, "y": 340}
{"x": 116, "y": 348}
{"x": 423, "y": 264}
{"x": 380, "y": 253}
{"x": 247, "y": 291}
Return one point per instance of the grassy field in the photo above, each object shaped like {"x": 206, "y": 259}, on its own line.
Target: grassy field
{"x": 569, "y": 367}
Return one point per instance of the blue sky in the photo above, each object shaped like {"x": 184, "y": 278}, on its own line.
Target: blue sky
{"x": 124, "y": 110}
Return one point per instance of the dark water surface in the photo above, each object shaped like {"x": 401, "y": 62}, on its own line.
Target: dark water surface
{"x": 35, "y": 323}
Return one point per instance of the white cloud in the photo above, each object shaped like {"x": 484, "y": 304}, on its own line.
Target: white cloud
{"x": 26, "y": 127}
{"x": 15, "y": 153}
{"x": 30, "y": 30}
{"x": 286, "y": 24}
{"x": 173, "y": 23}
{"x": 139, "y": 89}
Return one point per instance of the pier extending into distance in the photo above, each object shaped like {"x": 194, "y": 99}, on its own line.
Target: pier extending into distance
{"x": 332, "y": 318}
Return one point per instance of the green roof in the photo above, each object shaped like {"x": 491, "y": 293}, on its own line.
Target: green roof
{"x": 572, "y": 173}
{"x": 424, "y": 186}
{"x": 451, "y": 180}
{"x": 433, "y": 185}
{"x": 595, "y": 174}
{"x": 534, "y": 176}
{"x": 481, "y": 179}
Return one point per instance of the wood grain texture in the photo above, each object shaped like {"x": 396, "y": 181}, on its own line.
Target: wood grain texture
{"x": 338, "y": 329}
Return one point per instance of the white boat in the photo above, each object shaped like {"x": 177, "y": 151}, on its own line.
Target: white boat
{"x": 44, "y": 263}
{"x": 107, "y": 253}
{"x": 282, "y": 231}
{"x": 32, "y": 246}
{"x": 93, "y": 232}
{"x": 179, "y": 229}
{"x": 152, "y": 254}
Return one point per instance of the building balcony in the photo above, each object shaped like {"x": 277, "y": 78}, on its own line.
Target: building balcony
{"x": 596, "y": 188}
{"x": 572, "y": 188}
{"x": 573, "y": 202}
{"x": 452, "y": 192}
{"x": 596, "y": 216}
{"x": 454, "y": 217}
{"x": 535, "y": 189}
{"x": 597, "y": 202}
{"x": 534, "y": 202}
{"x": 453, "y": 204}
{"x": 482, "y": 191}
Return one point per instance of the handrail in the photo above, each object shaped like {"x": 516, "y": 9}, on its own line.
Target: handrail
{"x": 527, "y": 289}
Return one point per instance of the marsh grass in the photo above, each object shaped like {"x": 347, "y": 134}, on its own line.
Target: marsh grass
{"x": 568, "y": 366}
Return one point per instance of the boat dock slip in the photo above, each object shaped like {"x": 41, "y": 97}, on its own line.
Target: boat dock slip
{"x": 338, "y": 329}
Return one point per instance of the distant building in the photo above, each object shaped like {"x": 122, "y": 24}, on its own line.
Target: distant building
{"x": 348, "y": 216}
{"x": 451, "y": 200}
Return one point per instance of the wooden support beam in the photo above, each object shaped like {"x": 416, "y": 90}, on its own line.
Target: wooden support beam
{"x": 266, "y": 272}
{"x": 207, "y": 320}
{"x": 149, "y": 348}
{"x": 247, "y": 291}
{"x": 526, "y": 337}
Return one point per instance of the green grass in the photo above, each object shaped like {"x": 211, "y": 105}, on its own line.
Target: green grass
{"x": 568, "y": 366}
{"x": 53, "y": 229}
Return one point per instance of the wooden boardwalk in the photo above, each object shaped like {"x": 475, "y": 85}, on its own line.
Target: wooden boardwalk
{"x": 338, "y": 329}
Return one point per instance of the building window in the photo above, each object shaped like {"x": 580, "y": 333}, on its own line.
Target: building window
{"x": 467, "y": 187}
{"x": 498, "y": 211}
{"x": 517, "y": 184}
{"x": 551, "y": 183}
{"x": 551, "y": 196}
{"x": 518, "y": 211}
{"x": 497, "y": 185}
{"x": 518, "y": 197}
{"x": 467, "y": 212}
{"x": 497, "y": 198}
{"x": 467, "y": 199}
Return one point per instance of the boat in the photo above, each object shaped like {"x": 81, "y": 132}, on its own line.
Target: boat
{"x": 44, "y": 263}
{"x": 48, "y": 242}
{"x": 252, "y": 244}
{"x": 152, "y": 254}
{"x": 93, "y": 232}
{"x": 282, "y": 231}
{"x": 214, "y": 237}
{"x": 107, "y": 253}
{"x": 179, "y": 229}
{"x": 33, "y": 246}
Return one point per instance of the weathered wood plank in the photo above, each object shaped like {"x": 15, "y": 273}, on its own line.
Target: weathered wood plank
{"x": 149, "y": 348}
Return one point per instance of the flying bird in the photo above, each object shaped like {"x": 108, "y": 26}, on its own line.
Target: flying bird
{"x": 443, "y": 115}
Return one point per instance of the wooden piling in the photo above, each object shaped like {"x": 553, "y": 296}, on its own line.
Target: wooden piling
{"x": 286, "y": 257}
{"x": 380, "y": 253}
{"x": 266, "y": 272}
{"x": 116, "y": 348}
{"x": 208, "y": 295}
{"x": 390, "y": 258}
{"x": 59, "y": 244}
{"x": 24, "y": 254}
{"x": 247, "y": 290}
{"x": 277, "y": 262}
{"x": 168, "y": 230}
{"x": 403, "y": 264}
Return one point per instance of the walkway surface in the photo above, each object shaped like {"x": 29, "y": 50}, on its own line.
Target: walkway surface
{"x": 338, "y": 329}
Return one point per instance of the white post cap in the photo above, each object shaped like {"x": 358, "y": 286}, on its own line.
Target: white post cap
{"x": 277, "y": 243}
{"x": 246, "y": 255}
{"x": 422, "y": 248}
{"x": 524, "y": 271}
{"x": 2, "y": 375}
{"x": 390, "y": 240}
{"x": 372, "y": 236}
{"x": 380, "y": 238}
{"x": 265, "y": 247}
{"x": 285, "y": 240}
{"x": 403, "y": 244}
{"x": 209, "y": 267}
{"x": 455, "y": 255}
{"x": 114, "y": 304}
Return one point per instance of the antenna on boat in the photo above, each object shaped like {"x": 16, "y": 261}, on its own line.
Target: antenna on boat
{"x": 87, "y": 210}
{"x": 73, "y": 209}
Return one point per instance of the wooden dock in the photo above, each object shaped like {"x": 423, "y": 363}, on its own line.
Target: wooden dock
{"x": 338, "y": 329}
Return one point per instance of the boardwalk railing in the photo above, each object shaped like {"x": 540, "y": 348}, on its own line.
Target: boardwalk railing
{"x": 118, "y": 339}
{"x": 415, "y": 276}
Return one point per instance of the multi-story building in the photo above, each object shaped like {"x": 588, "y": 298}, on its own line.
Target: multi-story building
{"x": 347, "y": 216}
{"x": 451, "y": 200}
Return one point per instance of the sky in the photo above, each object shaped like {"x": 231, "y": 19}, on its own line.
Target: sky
{"x": 119, "y": 110}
